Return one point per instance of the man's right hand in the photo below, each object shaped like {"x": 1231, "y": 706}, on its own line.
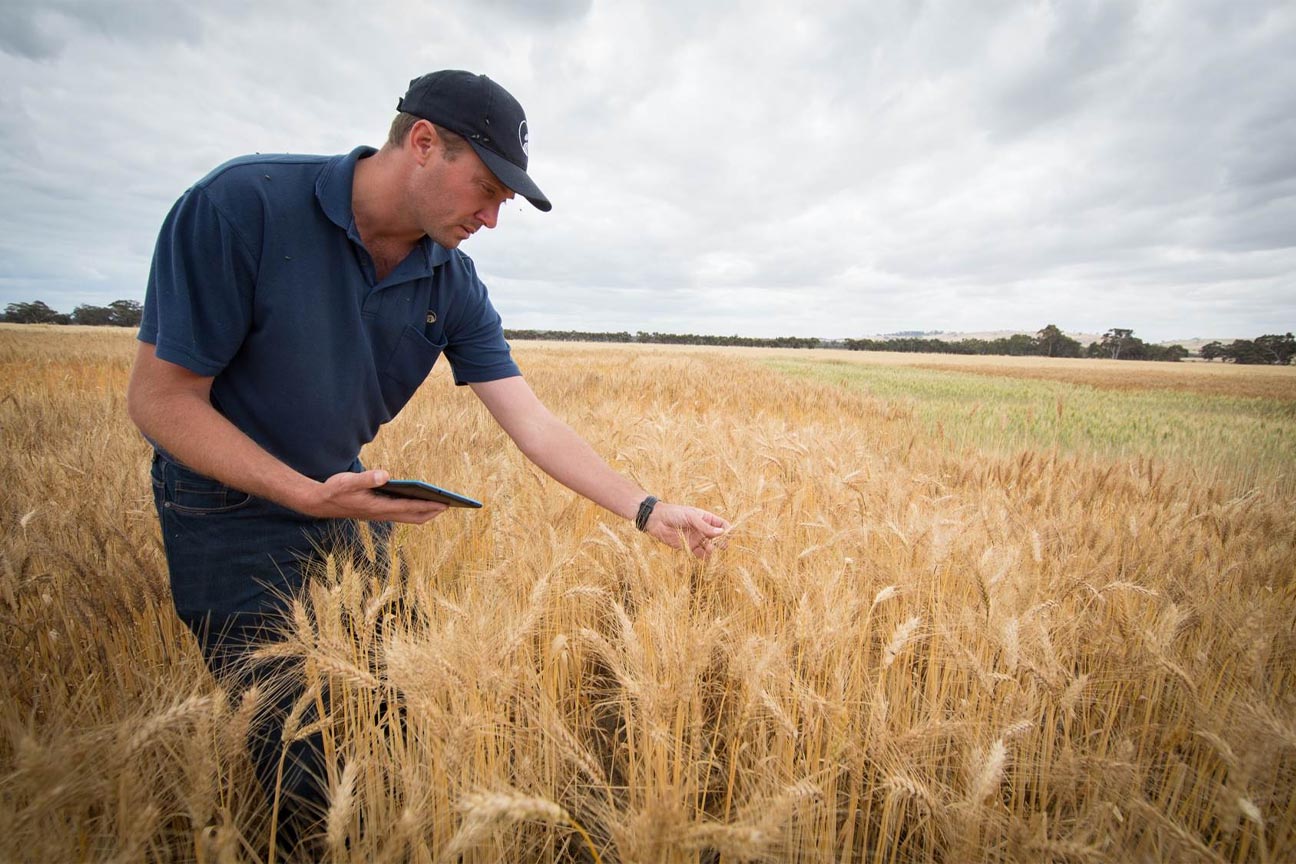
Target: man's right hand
{"x": 351, "y": 495}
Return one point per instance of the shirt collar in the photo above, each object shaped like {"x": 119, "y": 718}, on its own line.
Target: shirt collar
{"x": 333, "y": 191}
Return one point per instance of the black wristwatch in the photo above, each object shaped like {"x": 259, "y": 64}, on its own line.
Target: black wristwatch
{"x": 645, "y": 510}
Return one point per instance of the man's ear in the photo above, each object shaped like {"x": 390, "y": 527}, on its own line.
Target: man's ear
{"x": 423, "y": 141}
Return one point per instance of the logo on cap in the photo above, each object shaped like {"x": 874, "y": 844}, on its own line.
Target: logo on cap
{"x": 523, "y": 138}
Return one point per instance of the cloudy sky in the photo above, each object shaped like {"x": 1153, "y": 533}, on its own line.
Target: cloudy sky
{"x": 844, "y": 169}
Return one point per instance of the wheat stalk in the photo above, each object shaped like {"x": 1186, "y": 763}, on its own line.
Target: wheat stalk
{"x": 483, "y": 811}
{"x": 989, "y": 772}
{"x": 899, "y": 638}
{"x": 176, "y": 715}
{"x": 341, "y": 805}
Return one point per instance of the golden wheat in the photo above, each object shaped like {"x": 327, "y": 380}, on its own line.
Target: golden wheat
{"x": 988, "y": 641}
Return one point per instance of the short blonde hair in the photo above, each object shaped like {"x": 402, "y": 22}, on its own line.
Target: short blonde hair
{"x": 452, "y": 144}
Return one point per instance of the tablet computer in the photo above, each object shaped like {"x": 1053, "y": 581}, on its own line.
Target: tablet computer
{"x": 426, "y": 491}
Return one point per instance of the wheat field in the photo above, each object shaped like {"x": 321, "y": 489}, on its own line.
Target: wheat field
{"x": 1008, "y": 612}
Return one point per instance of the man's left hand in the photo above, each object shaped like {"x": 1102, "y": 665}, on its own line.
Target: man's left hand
{"x": 688, "y": 528}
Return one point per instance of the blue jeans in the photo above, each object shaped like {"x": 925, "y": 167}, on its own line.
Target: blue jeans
{"x": 235, "y": 561}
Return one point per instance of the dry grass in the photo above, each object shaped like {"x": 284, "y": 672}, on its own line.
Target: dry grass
{"x": 913, "y": 649}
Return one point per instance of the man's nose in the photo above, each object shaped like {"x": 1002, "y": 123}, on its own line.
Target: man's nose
{"x": 489, "y": 215}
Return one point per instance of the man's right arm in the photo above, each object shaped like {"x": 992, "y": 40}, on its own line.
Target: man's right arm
{"x": 172, "y": 406}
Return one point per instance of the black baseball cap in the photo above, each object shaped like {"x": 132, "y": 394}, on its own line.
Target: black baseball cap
{"x": 486, "y": 115}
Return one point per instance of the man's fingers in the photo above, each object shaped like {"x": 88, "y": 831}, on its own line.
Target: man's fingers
{"x": 424, "y": 517}
{"x": 360, "y": 479}
{"x": 354, "y": 495}
{"x": 708, "y": 524}
{"x": 412, "y": 510}
{"x": 703, "y": 548}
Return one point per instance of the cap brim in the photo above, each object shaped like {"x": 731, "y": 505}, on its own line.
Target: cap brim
{"x": 512, "y": 176}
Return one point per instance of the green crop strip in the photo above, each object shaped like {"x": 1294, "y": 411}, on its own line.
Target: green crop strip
{"x": 1243, "y": 440}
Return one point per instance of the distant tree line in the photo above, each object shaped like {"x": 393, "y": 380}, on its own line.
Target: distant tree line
{"x": 1269, "y": 349}
{"x": 1117, "y": 344}
{"x": 1121, "y": 344}
{"x": 568, "y": 335}
{"x": 1049, "y": 342}
{"x": 665, "y": 338}
{"x": 119, "y": 313}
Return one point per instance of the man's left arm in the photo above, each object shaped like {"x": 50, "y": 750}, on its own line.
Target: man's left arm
{"x": 568, "y": 458}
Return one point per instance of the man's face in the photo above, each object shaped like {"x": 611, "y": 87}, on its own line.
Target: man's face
{"x": 455, "y": 196}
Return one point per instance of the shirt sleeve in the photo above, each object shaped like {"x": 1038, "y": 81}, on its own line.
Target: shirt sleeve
{"x": 198, "y": 306}
{"x": 476, "y": 347}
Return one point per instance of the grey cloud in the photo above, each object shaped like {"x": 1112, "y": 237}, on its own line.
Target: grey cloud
{"x": 536, "y": 12}
{"x": 23, "y": 36}
{"x": 1081, "y": 52}
{"x": 1262, "y": 151}
{"x": 42, "y": 30}
{"x": 1266, "y": 227}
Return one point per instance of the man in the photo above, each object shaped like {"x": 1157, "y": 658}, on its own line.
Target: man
{"x": 294, "y": 305}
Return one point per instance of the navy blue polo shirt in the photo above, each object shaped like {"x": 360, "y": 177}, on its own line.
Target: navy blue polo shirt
{"x": 260, "y": 280}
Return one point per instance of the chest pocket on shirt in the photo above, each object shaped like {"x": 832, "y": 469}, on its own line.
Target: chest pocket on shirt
{"x": 408, "y": 365}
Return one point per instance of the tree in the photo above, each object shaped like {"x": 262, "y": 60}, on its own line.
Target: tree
{"x": 1165, "y": 353}
{"x": 125, "y": 313}
{"x": 1278, "y": 350}
{"x": 1116, "y": 340}
{"x": 96, "y": 316}
{"x": 1211, "y": 350}
{"x": 1019, "y": 345}
{"x": 1244, "y": 351}
{"x": 1268, "y": 349}
{"x": 1052, "y": 342}
{"x": 35, "y": 312}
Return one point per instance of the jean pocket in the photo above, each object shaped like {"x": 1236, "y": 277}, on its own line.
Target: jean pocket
{"x": 197, "y": 495}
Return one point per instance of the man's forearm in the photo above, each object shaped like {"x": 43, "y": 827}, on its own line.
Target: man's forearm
{"x": 194, "y": 432}
{"x": 568, "y": 458}
{"x": 555, "y": 447}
